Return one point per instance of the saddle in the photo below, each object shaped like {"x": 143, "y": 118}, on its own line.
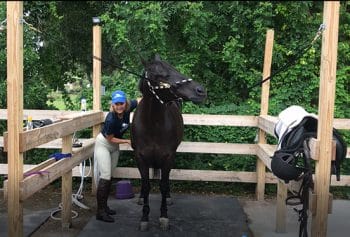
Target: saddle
{"x": 296, "y": 126}
{"x": 291, "y": 160}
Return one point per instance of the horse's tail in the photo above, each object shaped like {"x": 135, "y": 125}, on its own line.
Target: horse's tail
{"x": 156, "y": 173}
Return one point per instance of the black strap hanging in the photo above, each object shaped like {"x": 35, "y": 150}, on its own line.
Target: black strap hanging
{"x": 293, "y": 60}
{"x": 302, "y": 196}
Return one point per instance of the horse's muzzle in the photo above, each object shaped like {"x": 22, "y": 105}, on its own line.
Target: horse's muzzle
{"x": 201, "y": 91}
{"x": 200, "y": 95}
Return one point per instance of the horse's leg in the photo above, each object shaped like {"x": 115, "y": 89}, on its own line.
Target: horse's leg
{"x": 145, "y": 188}
{"x": 165, "y": 190}
{"x": 140, "y": 199}
{"x": 169, "y": 201}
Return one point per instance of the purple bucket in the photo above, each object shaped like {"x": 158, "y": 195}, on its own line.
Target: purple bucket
{"x": 124, "y": 190}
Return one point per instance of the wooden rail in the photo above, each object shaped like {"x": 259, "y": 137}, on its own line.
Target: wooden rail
{"x": 74, "y": 122}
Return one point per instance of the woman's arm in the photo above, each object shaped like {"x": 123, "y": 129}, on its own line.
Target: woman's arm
{"x": 113, "y": 139}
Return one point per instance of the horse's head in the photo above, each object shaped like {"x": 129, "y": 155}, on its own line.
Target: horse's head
{"x": 167, "y": 84}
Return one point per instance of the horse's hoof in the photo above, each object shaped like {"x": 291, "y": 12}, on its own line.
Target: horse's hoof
{"x": 164, "y": 223}
{"x": 144, "y": 225}
{"x": 169, "y": 201}
{"x": 140, "y": 201}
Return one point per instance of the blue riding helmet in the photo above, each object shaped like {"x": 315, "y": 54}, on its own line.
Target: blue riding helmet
{"x": 118, "y": 97}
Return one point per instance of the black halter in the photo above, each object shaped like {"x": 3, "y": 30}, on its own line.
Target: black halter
{"x": 164, "y": 86}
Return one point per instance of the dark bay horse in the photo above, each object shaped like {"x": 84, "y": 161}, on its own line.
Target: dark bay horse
{"x": 157, "y": 127}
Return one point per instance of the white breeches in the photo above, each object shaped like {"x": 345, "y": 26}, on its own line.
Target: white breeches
{"x": 106, "y": 156}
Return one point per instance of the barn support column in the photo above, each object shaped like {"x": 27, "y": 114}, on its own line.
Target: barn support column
{"x": 96, "y": 77}
{"x": 14, "y": 115}
{"x": 325, "y": 117}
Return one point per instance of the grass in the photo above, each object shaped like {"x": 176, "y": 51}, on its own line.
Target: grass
{"x": 56, "y": 100}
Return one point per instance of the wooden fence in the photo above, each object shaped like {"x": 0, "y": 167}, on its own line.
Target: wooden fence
{"x": 68, "y": 122}
{"x": 49, "y": 138}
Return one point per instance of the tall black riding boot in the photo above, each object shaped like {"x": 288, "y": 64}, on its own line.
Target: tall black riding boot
{"x": 108, "y": 210}
{"x": 102, "y": 196}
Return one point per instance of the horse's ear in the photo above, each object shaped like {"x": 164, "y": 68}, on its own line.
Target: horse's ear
{"x": 157, "y": 57}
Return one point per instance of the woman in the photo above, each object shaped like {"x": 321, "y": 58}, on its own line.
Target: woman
{"x": 106, "y": 151}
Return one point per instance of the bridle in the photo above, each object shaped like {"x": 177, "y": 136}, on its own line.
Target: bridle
{"x": 164, "y": 86}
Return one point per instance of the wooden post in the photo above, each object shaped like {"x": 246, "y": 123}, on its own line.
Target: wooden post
{"x": 96, "y": 32}
{"x": 66, "y": 214}
{"x": 325, "y": 116}
{"x": 14, "y": 115}
{"x": 281, "y": 208}
{"x": 96, "y": 49}
{"x": 260, "y": 167}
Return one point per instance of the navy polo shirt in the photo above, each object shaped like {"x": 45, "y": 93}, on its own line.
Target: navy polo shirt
{"x": 118, "y": 126}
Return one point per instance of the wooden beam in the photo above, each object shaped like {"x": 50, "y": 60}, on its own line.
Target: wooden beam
{"x": 281, "y": 208}
{"x": 185, "y": 147}
{"x": 34, "y": 183}
{"x": 96, "y": 76}
{"x": 265, "y": 152}
{"x": 264, "y": 104}
{"x": 197, "y": 175}
{"x": 66, "y": 214}
{"x": 292, "y": 186}
{"x": 15, "y": 115}
{"x": 189, "y": 119}
{"x": 57, "y": 130}
{"x": 264, "y": 108}
{"x": 41, "y": 166}
{"x": 217, "y": 148}
{"x": 315, "y": 148}
{"x": 325, "y": 116}
{"x": 38, "y": 114}
{"x": 313, "y": 202}
{"x": 267, "y": 123}
{"x": 210, "y": 148}
{"x": 341, "y": 123}
{"x": 220, "y": 120}
{"x": 27, "y": 170}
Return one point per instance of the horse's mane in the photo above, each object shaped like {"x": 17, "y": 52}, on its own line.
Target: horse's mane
{"x": 141, "y": 83}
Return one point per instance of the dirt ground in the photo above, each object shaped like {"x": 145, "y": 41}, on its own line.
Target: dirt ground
{"x": 50, "y": 198}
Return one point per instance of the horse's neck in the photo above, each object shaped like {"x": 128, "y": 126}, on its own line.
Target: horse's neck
{"x": 153, "y": 107}
{"x": 156, "y": 111}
